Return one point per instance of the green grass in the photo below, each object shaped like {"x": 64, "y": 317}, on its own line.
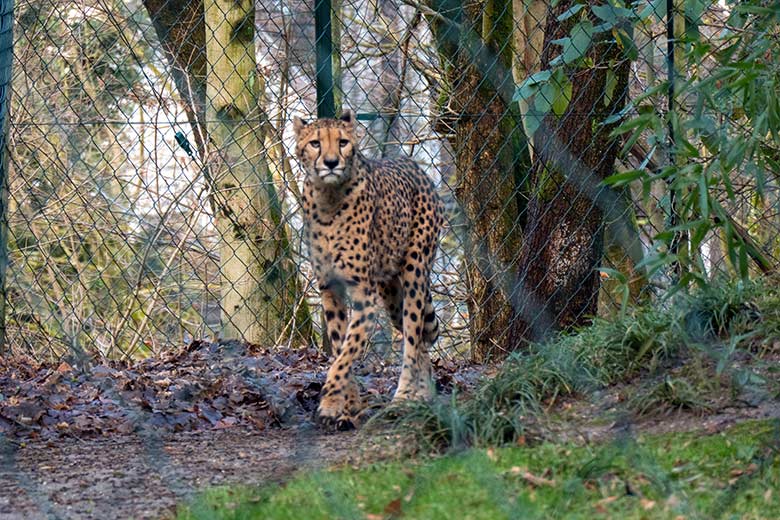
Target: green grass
{"x": 703, "y": 332}
{"x": 733, "y": 474}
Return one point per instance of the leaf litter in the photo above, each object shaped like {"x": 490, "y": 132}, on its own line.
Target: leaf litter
{"x": 201, "y": 386}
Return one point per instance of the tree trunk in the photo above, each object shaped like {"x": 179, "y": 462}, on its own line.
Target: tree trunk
{"x": 180, "y": 27}
{"x": 251, "y": 256}
{"x": 491, "y": 157}
{"x": 530, "y": 18}
{"x": 259, "y": 274}
{"x": 564, "y": 243}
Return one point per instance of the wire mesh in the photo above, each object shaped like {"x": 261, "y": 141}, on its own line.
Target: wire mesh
{"x": 127, "y": 235}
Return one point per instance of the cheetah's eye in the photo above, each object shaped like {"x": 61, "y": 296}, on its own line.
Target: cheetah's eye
{"x": 314, "y": 144}
{"x": 343, "y": 143}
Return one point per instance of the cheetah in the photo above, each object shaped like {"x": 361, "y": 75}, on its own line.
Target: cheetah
{"x": 372, "y": 229}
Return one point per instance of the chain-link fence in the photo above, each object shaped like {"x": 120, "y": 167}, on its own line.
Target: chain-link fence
{"x": 154, "y": 196}
{"x": 591, "y": 155}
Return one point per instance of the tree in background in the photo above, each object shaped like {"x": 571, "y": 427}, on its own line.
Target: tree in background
{"x": 253, "y": 251}
{"x": 474, "y": 42}
{"x": 88, "y": 259}
{"x": 215, "y": 73}
{"x": 582, "y": 83}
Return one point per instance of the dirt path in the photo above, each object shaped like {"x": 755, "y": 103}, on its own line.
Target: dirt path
{"x": 145, "y": 477}
{"x": 132, "y": 440}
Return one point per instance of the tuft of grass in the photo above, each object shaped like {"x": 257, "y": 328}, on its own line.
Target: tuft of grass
{"x": 643, "y": 342}
{"x": 732, "y": 474}
{"x": 503, "y": 408}
{"x": 668, "y": 395}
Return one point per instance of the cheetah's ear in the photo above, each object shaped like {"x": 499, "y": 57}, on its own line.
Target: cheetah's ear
{"x": 347, "y": 117}
{"x": 298, "y": 125}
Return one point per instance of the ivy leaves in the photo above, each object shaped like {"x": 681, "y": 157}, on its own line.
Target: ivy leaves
{"x": 551, "y": 90}
{"x": 576, "y": 45}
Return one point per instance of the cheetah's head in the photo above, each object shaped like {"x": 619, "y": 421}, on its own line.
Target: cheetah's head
{"x": 325, "y": 147}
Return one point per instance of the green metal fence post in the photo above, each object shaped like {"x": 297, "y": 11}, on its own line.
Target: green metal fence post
{"x": 6, "y": 61}
{"x": 326, "y": 105}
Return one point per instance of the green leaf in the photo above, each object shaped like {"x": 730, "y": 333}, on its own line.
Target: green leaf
{"x": 533, "y": 119}
{"x": 656, "y": 8}
{"x": 571, "y": 11}
{"x": 612, "y": 14}
{"x": 704, "y": 198}
{"x": 609, "y": 88}
{"x": 622, "y": 178}
{"x": 575, "y": 46}
{"x": 744, "y": 271}
{"x": 530, "y": 85}
{"x": 563, "y": 97}
{"x": 524, "y": 92}
{"x": 539, "y": 77}
{"x": 617, "y": 116}
{"x": 626, "y": 43}
{"x": 547, "y": 94}
{"x": 581, "y": 36}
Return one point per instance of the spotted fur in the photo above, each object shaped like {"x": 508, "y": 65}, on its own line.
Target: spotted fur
{"x": 372, "y": 229}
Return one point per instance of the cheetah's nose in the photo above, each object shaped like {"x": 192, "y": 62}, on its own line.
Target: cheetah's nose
{"x": 331, "y": 163}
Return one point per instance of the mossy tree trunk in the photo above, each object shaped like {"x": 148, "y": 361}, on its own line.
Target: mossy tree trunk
{"x": 254, "y": 264}
{"x": 564, "y": 242}
{"x": 475, "y": 46}
{"x": 181, "y": 27}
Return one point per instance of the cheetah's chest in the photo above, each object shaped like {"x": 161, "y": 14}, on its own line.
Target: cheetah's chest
{"x": 365, "y": 242}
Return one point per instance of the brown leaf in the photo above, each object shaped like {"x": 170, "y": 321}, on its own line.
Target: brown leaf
{"x": 647, "y": 504}
{"x": 226, "y": 422}
{"x": 393, "y": 508}
{"x": 529, "y": 477}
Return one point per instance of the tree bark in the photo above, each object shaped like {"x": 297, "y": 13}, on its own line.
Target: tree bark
{"x": 261, "y": 295}
{"x": 564, "y": 244}
{"x": 491, "y": 156}
{"x": 251, "y": 254}
{"x": 180, "y": 27}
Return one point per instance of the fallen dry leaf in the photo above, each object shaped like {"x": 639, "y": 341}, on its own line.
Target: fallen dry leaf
{"x": 393, "y": 508}
{"x": 529, "y": 477}
{"x": 647, "y": 504}
{"x": 601, "y": 504}
{"x": 203, "y": 385}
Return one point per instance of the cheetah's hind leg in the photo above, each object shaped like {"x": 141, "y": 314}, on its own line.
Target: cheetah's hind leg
{"x": 426, "y": 384}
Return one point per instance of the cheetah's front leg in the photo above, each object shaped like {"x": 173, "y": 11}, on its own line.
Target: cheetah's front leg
{"x": 340, "y": 402}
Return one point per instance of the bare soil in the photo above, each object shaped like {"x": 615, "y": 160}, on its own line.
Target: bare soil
{"x": 80, "y": 439}
{"x": 145, "y": 477}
